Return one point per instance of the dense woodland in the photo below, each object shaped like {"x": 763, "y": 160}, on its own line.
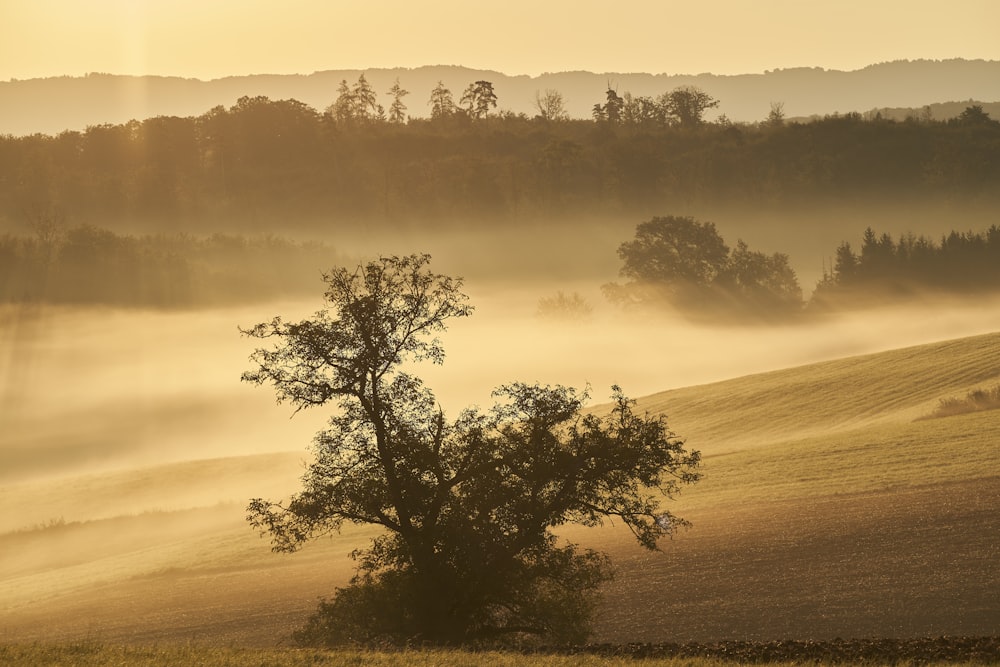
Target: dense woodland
{"x": 961, "y": 262}
{"x": 471, "y": 161}
{"x": 87, "y": 265}
{"x": 674, "y": 262}
{"x": 281, "y": 165}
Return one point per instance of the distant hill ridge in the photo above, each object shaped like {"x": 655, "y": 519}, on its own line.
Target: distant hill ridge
{"x": 51, "y": 105}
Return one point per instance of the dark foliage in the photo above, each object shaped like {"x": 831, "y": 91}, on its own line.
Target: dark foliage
{"x": 686, "y": 263}
{"x": 887, "y": 269}
{"x": 468, "y": 506}
{"x": 284, "y": 160}
{"x": 916, "y": 651}
{"x": 87, "y": 265}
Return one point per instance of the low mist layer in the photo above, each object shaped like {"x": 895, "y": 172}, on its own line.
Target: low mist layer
{"x": 99, "y": 389}
{"x": 826, "y": 510}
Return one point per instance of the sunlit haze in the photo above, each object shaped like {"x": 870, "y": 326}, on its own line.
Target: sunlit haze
{"x": 791, "y": 264}
{"x": 216, "y": 39}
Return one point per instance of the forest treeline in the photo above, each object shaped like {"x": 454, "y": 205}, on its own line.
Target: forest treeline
{"x": 885, "y": 268}
{"x": 87, "y": 265}
{"x": 474, "y": 164}
{"x": 676, "y": 262}
{"x": 685, "y": 264}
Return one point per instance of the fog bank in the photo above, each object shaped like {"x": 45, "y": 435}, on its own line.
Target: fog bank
{"x": 98, "y": 389}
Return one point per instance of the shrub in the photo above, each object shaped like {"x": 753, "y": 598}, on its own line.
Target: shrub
{"x": 976, "y": 400}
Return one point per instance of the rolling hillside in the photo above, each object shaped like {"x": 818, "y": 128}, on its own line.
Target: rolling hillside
{"x": 826, "y": 510}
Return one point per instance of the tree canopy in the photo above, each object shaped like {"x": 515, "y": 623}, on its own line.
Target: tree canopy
{"x": 468, "y": 505}
{"x": 688, "y": 104}
{"x": 442, "y": 103}
{"x": 888, "y": 269}
{"x": 479, "y": 98}
{"x": 676, "y": 250}
{"x": 685, "y": 262}
{"x": 359, "y": 162}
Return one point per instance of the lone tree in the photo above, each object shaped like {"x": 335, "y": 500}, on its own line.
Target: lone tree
{"x": 674, "y": 250}
{"x": 612, "y": 110}
{"x": 550, "y": 105}
{"x": 397, "y": 112}
{"x": 479, "y": 98}
{"x": 442, "y": 104}
{"x": 688, "y": 104}
{"x": 468, "y": 506}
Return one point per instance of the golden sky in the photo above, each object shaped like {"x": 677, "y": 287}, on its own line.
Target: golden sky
{"x": 213, "y": 38}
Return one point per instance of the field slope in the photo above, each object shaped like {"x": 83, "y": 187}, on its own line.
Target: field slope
{"x": 826, "y": 510}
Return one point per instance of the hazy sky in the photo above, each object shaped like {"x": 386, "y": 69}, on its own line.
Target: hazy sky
{"x": 213, "y": 38}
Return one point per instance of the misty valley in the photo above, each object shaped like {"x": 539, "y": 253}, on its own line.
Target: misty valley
{"x": 803, "y": 319}
{"x": 103, "y": 388}
{"x": 130, "y": 447}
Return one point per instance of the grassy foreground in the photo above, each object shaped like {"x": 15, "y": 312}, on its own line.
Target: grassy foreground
{"x": 874, "y": 653}
{"x": 829, "y": 509}
{"x": 99, "y": 655}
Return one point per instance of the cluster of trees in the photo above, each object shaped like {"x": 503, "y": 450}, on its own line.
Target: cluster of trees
{"x": 686, "y": 263}
{"x": 359, "y": 103}
{"x": 884, "y": 267}
{"x": 468, "y": 506}
{"x": 87, "y": 265}
{"x": 672, "y": 261}
{"x": 684, "y": 106}
{"x": 282, "y": 159}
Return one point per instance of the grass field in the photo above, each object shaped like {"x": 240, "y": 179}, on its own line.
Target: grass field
{"x": 827, "y": 510}
{"x": 872, "y": 653}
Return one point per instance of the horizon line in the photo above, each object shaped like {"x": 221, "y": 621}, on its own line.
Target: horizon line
{"x": 494, "y": 71}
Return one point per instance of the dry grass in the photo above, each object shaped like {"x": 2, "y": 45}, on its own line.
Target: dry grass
{"x": 99, "y": 655}
{"x": 826, "y": 511}
{"x": 836, "y": 396}
{"x": 92, "y": 654}
{"x": 976, "y": 400}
